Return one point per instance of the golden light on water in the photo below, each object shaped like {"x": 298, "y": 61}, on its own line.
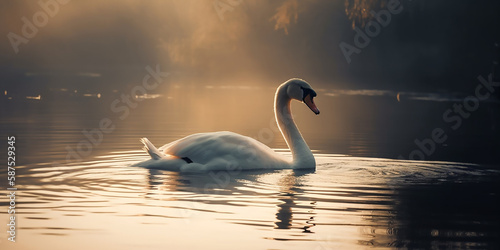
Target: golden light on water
{"x": 38, "y": 97}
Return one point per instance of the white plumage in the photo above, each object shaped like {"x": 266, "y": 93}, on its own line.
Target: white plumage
{"x": 231, "y": 151}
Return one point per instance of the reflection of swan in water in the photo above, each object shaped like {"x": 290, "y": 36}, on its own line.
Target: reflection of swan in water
{"x": 289, "y": 201}
{"x": 227, "y": 150}
{"x": 289, "y": 190}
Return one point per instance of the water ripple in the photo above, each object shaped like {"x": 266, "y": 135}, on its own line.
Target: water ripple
{"x": 348, "y": 202}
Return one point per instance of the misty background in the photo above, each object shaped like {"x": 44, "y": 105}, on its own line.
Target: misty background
{"x": 223, "y": 71}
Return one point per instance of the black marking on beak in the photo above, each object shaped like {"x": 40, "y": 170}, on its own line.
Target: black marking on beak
{"x": 308, "y": 95}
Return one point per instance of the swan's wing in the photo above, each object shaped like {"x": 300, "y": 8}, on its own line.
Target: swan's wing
{"x": 205, "y": 147}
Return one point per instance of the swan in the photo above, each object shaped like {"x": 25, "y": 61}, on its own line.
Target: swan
{"x": 230, "y": 151}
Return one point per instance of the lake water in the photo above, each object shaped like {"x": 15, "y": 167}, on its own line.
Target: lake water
{"x": 357, "y": 198}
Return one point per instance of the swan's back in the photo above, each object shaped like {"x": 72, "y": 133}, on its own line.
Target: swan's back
{"x": 225, "y": 148}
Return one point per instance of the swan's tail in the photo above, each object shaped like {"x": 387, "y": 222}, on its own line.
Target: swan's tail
{"x": 151, "y": 149}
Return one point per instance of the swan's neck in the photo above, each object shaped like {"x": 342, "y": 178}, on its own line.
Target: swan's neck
{"x": 302, "y": 155}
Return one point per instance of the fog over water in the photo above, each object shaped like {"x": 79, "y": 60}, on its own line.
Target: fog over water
{"x": 429, "y": 45}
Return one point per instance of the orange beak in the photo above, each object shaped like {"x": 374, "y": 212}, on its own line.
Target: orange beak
{"x": 308, "y": 100}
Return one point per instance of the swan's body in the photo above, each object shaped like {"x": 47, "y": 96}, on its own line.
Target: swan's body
{"x": 231, "y": 151}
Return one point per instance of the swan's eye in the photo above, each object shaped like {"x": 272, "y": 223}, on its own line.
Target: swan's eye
{"x": 307, "y": 91}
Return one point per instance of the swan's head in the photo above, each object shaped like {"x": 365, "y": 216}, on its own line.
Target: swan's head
{"x": 300, "y": 90}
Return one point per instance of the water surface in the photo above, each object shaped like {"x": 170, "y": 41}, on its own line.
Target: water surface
{"x": 355, "y": 199}
{"x": 347, "y": 203}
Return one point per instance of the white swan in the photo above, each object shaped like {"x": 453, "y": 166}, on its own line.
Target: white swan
{"x": 231, "y": 151}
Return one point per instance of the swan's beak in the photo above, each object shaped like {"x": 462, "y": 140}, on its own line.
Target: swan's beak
{"x": 308, "y": 100}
